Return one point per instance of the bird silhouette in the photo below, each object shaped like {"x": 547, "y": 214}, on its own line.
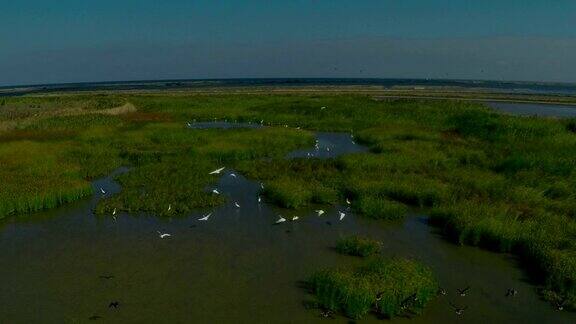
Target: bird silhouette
{"x": 114, "y": 304}
{"x": 463, "y": 292}
{"x": 511, "y": 292}
{"x": 106, "y": 276}
{"x": 458, "y": 310}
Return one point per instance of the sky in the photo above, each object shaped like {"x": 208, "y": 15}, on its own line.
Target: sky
{"x": 58, "y": 41}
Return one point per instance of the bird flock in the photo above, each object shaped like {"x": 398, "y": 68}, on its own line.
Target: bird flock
{"x": 281, "y": 219}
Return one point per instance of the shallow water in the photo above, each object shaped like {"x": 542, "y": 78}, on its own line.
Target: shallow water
{"x": 222, "y": 125}
{"x": 236, "y": 267}
{"x": 541, "y": 110}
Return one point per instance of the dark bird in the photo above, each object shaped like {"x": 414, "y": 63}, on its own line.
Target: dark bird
{"x": 94, "y": 317}
{"x": 113, "y": 304}
{"x": 458, "y": 310}
{"x": 511, "y": 292}
{"x": 463, "y": 292}
{"x": 326, "y": 313}
{"x": 560, "y": 304}
{"x": 106, "y": 276}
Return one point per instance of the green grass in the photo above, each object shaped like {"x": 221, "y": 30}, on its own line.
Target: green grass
{"x": 495, "y": 181}
{"x": 357, "y": 246}
{"x": 387, "y": 287}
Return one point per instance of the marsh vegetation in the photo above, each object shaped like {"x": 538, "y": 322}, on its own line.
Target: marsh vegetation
{"x": 500, "y": 182}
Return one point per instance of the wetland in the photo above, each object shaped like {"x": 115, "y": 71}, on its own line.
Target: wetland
{"x": 438, "y": 196}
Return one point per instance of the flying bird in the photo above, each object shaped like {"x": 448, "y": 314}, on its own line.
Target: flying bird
{"x": 169, "y": 207}
{"x": 205, "y": 218}
{"x": 295, "y": 218}
{"x": 102, "y": 191}
{"x": 215, "y": 191}
{"x": 113, "y": 304}
{"x": 163, "y": 235}
{"x": 236, "y": 204}
{"x": 114, "y": 212}
{"x": 233, "y": 175}
{"x": 348, "y": 201}
{"x": 259, "y": 199}
{"x": 217, "y": 171}
{"x": 319, "y": 212}
{"x": 342, "y": 215}
{"x": 458, "y": 310}
{"x": 322, "y": 108}
{"x": 280, "y": 220}
{"x": 463, "y": 292}
{"x": 511, "y": 292}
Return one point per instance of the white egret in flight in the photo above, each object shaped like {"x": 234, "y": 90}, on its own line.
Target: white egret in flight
{"x": 205, "y": 218}
{"x": 217, "y": 171}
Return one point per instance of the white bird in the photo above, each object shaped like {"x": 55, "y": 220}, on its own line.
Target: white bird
{"x": 217, "y": 171}
{"x": 163, "y": 235}
{"x": 295, "y": 218}
{"x": 233, "y": 175}
{"x": 205, "y": 218}
{"x": 169, "y": 207}
{"x": 261, "y": 185}
{"x": 280, "y": 220}
{"x": 215, "y": 191}
{"x": 259, "y": 199}
{"x": 342, "y": 215}
{"x": 236, "y": 204}
{"x": 102, "y": 191}
{"x": 320, "y": 212}
{"x": 322, "y": 108}
{"x": 114, "y": 212}
{"x": 189, "y": 125}
{"x": 348, "y": 201}
{"x": 262, "y": 122}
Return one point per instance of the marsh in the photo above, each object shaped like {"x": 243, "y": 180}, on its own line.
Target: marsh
{"x": 451, "y": 185}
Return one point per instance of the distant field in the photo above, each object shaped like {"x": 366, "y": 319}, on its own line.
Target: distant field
{"x": 500, "y": 182}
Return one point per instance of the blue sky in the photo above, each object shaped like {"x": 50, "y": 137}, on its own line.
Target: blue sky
{"x": 44, "y": 41}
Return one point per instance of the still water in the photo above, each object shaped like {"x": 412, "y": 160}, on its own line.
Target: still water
{"x": 67, "y": 265}
{"x": 529, "y": 109}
